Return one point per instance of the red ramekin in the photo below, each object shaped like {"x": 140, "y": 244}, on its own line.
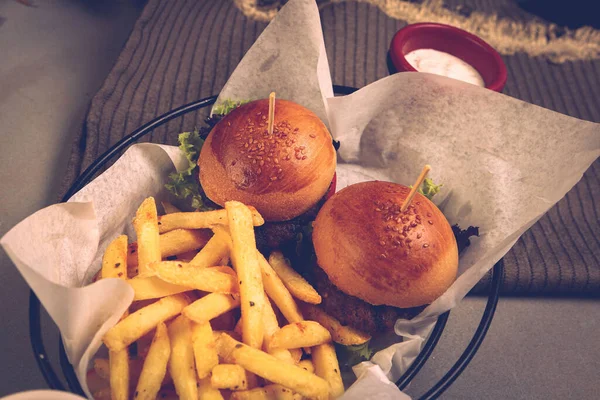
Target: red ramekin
{"x": 452, "y": 40}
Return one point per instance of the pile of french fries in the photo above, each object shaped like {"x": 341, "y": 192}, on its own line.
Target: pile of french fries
{"x": 200, "y": 329}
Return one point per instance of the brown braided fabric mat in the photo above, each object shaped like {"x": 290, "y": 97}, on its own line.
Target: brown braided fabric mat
{"x": 183, "y": 50}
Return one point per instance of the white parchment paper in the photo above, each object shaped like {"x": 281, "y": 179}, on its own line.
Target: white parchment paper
{"x": 503, "y": 164}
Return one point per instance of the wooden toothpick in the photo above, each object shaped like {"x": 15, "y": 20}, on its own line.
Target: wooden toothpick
{"x": 271, "y": 112}
{"x": 415, "y": 187}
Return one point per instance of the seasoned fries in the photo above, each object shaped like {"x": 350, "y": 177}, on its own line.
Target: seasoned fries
{"x": 145, "y": 224}
{"x": 205, "y": 279}
{"x": 200, "y": 329}
{"x": 229, "y": 376}
{"x": 272, "y": 369}
{"x": 155, "y": 365}
{"x": 245, "y": 261}
{"x": 205, "y": 349}
{"x": 200, "y": 220}
{"x": 293, "y": 281}
{"x": 211, "y": 306}
{"x": 119, "y": 374}
{"x": 174, "y": 243}
{"x": 269, "y": 392}
{"x": 214, "y": 252}
{"x": 114, "y": 261}
{"x": 277, "y": 292}
{"x": 328, "y": 368}
{"x": 207, "y": 392}
{"x": 153, "y": 287}
{"x": 300, "y": 334}
{"x": 181, "y": 363}
{"x": 143, "y": 321}
{"x": 341, "y": 334}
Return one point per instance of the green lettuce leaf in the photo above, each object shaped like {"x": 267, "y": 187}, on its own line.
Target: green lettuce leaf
{"x": 184, "y": 184}
{"x": 349, "y": 356}
{"x": 429, "y": 189}
{"x": 227, "y": 106}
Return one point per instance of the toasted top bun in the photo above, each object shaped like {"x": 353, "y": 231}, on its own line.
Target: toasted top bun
{"x": 283, "y": 174}
{"x": 371, "y": 250}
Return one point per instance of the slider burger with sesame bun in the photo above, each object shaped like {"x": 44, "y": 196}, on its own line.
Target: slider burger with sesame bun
{"x": 377, "y": 260}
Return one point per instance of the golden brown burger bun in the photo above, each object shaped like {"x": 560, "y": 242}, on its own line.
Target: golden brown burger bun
{"x": 283, "y": 174}
{"x": 370, "y": 250}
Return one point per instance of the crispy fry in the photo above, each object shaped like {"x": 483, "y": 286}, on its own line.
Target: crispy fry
{"x": 300, "y": 334}
{"x": 114, "y": 261}
{"x": 205, "y": 279}
{"x": 200, "y": 220}
{"x": 270, "y": 327}
{"x": 216, "y": 249}
{"x": 341, "y": 334}
{"x": 174, "y": 243}
{"x": 307, "y": 365}
{"x": 296, "y": 355}
{"x": 211, "y": 306}
{"x": 169, "y": 208}
{"x": 207, "y": 392}
{"x": 293, "y": 281}
{"x": 153, "y": 287}
{"x": 272, "y": 369}
{"x": 205, "y": 349}
{"x": 181, "y": 362}
{"x": 145, "y": 224}
{"x": 269, "y": 392}
{"x": 229, "y": 376}
{"x": 245, "y": 261}
{"x": 143, "y": 321}
{"x": 277, "y": 292}
{"x": 327, "y": 367}
{"x": 155, "y": 365}
{"x": 119, "y": 374}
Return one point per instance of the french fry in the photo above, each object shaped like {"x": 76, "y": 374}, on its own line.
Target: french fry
{"x": 307, "y": 365}
{"x": 216, "y": 249}
{"x": 200, "y": 220}
{"x": 269, "y": 392}
{"x": 300, "y": 334}
{"x": 155, "y": 365}
{"x": 114, "y": 261}
{"x": 327, "y": 367}
{"x": 293, "y": 281}
{"x": 211, "y": 306}
{"x": 181, "y": 362}
{"x": 207, "y": 392}
{"x": 145, "y": 224}
{"x": 229, "y": 376}
{"x": 143, "y": 321}
{"x": 174, "y": 243}
{"x": 341, "y": 334}
{"x": 153, "y": 287}
{"x": 296, "y": 355}
{"x": 119, "y": 374}
{"x": 270, "y": 327}
{"x": 205, "y": 349}
{"x": 204, "y": 279}
{"x": 169, "y": 208}
{"x": 245, "y": 261}
{"x": 277, "y": 292}
{"x": 272, "y": 369}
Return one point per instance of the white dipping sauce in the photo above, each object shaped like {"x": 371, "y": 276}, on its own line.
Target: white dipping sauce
{"x": 441, "y": 63}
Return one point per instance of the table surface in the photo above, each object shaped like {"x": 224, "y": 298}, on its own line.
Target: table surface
{"x": 55, "y": 57}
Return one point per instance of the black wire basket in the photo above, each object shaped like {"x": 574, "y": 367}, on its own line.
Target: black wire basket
{"x": 35, "y": 326}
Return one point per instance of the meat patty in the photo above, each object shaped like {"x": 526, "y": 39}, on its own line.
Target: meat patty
{"x": 352, "y": 311}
